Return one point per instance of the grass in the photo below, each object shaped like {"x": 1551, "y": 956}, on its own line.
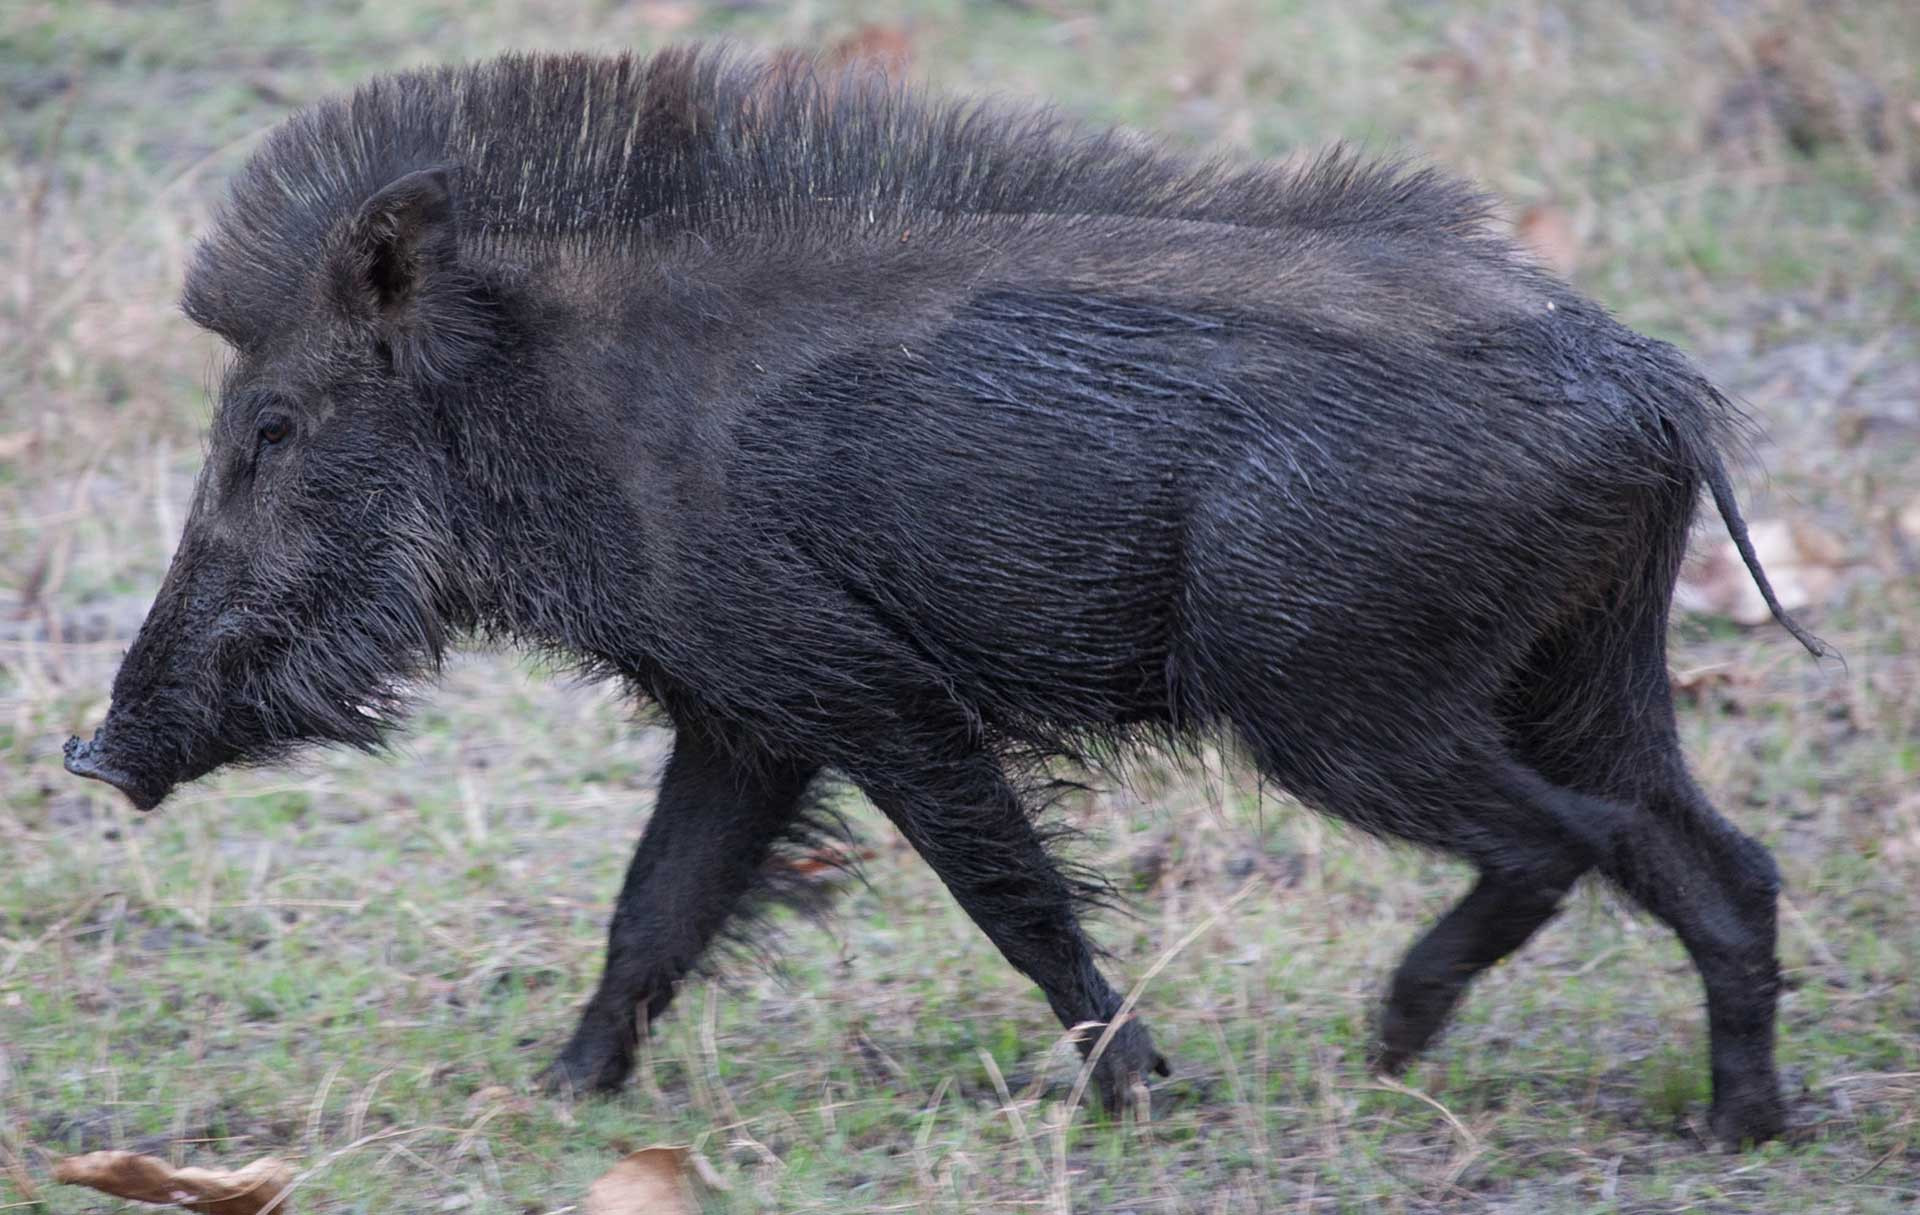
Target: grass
{"x": 359, "y": 964}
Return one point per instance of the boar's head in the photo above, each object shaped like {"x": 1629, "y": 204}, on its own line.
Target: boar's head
{"x": 317, "y": 573}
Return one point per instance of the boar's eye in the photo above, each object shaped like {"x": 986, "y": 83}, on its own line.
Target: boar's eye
{"x": 274, "y": 427}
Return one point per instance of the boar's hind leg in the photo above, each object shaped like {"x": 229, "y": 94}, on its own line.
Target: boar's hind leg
{"x": 1718, "y": 890}
{"x": 718, "y": 815}
{"x": 1527, "y": 865}
{"x": 967, "y": 822}
{"x": 1599, "y": 717}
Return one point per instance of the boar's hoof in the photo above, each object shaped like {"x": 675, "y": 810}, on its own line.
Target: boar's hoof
{"x": 587, "y": 1065}
{"x": 1388, "y": 1060}
{"x": 1747, "y": 1119}
{"x": 1125, "y": 1065}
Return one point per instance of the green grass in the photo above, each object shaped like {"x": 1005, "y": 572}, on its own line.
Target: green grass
{"x": 359, "y": 964}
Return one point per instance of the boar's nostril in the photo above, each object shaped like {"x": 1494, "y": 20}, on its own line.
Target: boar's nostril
{"x": 84, "y": 759}
{"x": 79, "y": 756}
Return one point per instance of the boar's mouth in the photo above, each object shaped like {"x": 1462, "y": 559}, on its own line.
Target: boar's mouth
{"x": 89, "y": 759}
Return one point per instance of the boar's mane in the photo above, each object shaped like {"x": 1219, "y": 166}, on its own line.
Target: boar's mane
{"x": 606, "y": 154}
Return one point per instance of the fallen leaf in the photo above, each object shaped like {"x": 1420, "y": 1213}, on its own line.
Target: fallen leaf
{"x": 1456, "y": 69}
{"x": 1695, "y": 680}
{"x": 16, "y": 444}
{"x": 247, "y": 1191}
{"x": 651, "y": 1181}
{"x": 1547, "y": 230}
{"x": 1700, "y": 685}
{"x": 824, "y": 864}
{"x": 887, "y": 47}
{"x": 1903, "y": 842}
{"x": 1803, "y": 563}
{"x": 668, "y": 16}
{"x": 1909, "y": 520}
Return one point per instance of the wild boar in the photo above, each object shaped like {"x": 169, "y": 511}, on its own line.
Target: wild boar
{"x": 922, "y": 443}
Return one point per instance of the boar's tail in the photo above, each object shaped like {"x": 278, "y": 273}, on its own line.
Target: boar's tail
{"x": 1722, "y": 489}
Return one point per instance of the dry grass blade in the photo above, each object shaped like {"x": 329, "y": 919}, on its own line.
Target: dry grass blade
{"x": 248, "y": 1191}
{"x": 651, "y": 1181}
{"x": 1469, "y": 1141}
{"x": 1140, "y": 986}
{"x": 16, "y": 1172}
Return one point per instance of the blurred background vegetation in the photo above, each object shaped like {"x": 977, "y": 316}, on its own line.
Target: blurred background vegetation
{"x": 357, "y": 965}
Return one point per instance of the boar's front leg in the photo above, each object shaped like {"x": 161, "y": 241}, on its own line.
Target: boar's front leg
{"x": 719, "y": 812}
{"x": 968, "y": 823}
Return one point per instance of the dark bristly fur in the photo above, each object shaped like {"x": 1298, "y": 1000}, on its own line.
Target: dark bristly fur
{"x": 922, "y": 442}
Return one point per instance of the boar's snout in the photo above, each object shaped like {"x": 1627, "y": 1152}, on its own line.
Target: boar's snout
{"x": 95, "y": 760}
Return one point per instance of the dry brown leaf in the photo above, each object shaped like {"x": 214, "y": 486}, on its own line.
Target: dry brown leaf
{"x": 825, "y": 864}
{"x": 888, "y": 47}
{"x": 16, "y": 444}
{"x": 1458, "y": 70}
{"x": 1903, "y": 842}
{"x": 668, "y": 16}
{"x": 1909, "y": 521}
{"x": 247, "y": 1191}
{"x": 1695, "y": 684}
{"x": 1802, "y": 561}
{"x": 1548, "y": 231}
{"x": 651, "y": 1181}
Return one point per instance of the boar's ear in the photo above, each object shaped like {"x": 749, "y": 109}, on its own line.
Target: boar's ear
{"x": 401, "y": 240}
{"x": 402, "y": 235}
{"x": 400, "y": 272}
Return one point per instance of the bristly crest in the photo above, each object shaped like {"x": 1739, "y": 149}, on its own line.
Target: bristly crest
{"x": 608, "y": 153}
